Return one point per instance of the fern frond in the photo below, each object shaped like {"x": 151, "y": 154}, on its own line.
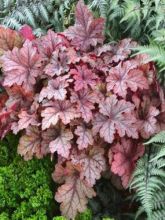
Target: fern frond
{"x": 132, "y": 18}
{"x": 159, "y": 200}
{"x": 159, "y": 35}
{"x": 160, "y": 155}
{"x": 102, "y": 5}
{"x": 156, "y": 52}
{"x": 148, "y": 179}
{"x": 37, "y": 13}
{"x": 11, "y": 22}
{"x": 29, "y": 16}
{"x": 7, "y": 3}
{"x": 158, "y": 215}
{"x": 43, "y": 12}
{"x": 158, "y": 138}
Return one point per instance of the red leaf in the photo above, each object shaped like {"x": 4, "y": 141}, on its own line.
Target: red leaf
{"x": 148, "y": 122}
{"x": 73, "y": 196}
{"x": 27, "y": 32}
{"x": 60, "y": 173}
{"x": 85, "y": 103}
{"x": 72, "y": 55}
{"x": 85, "y": 137}
{"x": 22, "y": 66}
{"x": 92, "y": 164}
{"x": 56, "y": 89}
{"x": 47, "y": 44}
{"x": 9, "y": 39}
{"x": 18, "y": 98}
{"x": 63, "y": 110}
{"x": 84, "y": 77}
{"x": 87, "y": 31}
{"x": 5, "y": 122}
{"x": 63, "y": 171}
{"x": 25, "y": 120}
{"x": 125, "y": 156}
{"x": 30, "y": 144}
{"x": 58, "y": 63}
{"x": 62, "y": 143}
{"x": 47, "y": 136}
{"x": 123, "y": 49}
{"x": 119, "y": 118}
{"x": 3, "y": 99}
{"x": 125, "y": 75}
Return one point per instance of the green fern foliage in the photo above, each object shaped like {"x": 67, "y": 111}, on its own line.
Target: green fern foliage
{"x": 148, "y": 180}
{"x": 158, "y": 138}
{"x": 131, "y": 18}
{"x": 156, "y": 51}
{"x": 39, "y": 14}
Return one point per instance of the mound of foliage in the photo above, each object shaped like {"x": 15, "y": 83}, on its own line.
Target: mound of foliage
{"x": 87, "y": 104}
{"x": 141, "y": 20}
{"x": 25, "y": 187}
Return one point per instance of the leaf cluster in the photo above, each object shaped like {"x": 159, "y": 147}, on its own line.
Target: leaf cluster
{"x": 87, "y": 104}
{"x": 141, "y": 20}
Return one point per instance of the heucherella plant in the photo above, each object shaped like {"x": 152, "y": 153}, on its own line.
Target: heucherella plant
{"x": 88, "y": 104}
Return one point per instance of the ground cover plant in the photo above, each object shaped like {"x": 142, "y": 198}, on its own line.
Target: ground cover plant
{"x": 86, "y": 104}
{"x": 25, "y": 187}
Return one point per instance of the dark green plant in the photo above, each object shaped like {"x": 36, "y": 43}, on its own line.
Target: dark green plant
{"x": 8, "y": 149}
{"x": 41, "y": 15}
{"x": 25, "y": 187}
{"x": 111, "y": 203}
{"x": 131, "y": 18}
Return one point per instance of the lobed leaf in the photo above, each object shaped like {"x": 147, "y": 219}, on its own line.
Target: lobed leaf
{"x": 85, "y": 137}
{"x": 73, "y": 196}
{"x": 9, "y": 39}
{"x": 22, "y": 66}
{"x": 116, "y": 117}
{"x": 62, "y": 143}
{"x": 87, "y": 31}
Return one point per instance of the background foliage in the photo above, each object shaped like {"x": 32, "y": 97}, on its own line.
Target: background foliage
{"x": 145, "y": 22}
{"x": 41, "y": 15}
{"x": 149, "y": 178}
